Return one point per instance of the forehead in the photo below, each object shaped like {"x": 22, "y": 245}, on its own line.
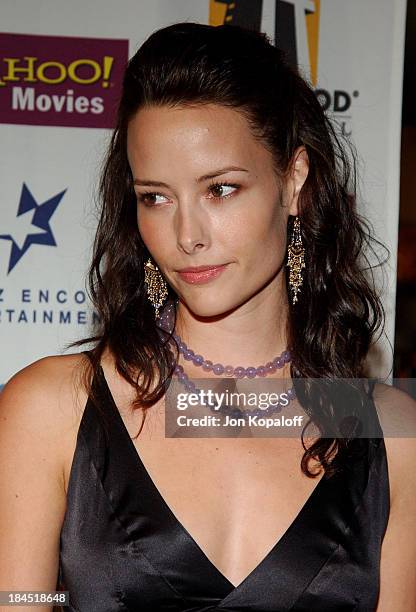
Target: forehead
{"x": 193, "y": 135}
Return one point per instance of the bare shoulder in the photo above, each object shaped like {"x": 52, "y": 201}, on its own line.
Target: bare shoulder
{"x": 397, "y": 414}
{"x": 44, "y": 402}
{"x": 50, "y": 388}
{"x": 40, "y": 408}
{"x": 396, "y": 410}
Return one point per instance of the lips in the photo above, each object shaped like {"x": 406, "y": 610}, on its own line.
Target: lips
{"x": 201, "y": 274}
{"x": 201, "y": 268}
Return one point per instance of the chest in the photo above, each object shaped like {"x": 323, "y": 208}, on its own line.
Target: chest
{"x": 235, "y": 497}
{"x": 187, "y": 524}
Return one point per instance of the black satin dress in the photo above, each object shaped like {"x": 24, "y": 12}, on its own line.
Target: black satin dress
{"x": 122, "y": 548}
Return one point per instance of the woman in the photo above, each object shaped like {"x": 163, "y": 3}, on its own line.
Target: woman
{"x": 222, "y": 158}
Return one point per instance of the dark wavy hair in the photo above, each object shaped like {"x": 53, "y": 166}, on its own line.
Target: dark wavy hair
{"x": 332, "y": 326}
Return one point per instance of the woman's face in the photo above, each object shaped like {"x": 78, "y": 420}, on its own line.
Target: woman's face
{"x": 207, "y": 195}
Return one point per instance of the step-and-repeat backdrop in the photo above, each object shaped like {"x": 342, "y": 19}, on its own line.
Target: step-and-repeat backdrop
{"x": 61, "y": 65}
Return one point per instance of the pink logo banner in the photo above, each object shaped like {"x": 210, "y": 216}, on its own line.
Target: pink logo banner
{"x": 60, "y": 80}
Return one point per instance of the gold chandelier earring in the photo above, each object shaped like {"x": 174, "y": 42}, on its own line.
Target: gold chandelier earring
{"x": 296, "y": 260}
{"x": 156, "y": 287}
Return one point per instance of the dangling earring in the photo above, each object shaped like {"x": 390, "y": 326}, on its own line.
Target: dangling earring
{"x": 296, "y": 260}
{"x": 157, "y": 290}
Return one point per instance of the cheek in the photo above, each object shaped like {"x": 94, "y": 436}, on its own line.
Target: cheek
{"x": 151, "y": 228}
{"x": 262, "y": 240}
{"x": 263, "y": 226}
{"x": 148, "y": 227}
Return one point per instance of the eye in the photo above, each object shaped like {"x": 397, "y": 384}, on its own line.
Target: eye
{"x": 147, "y": 198}
{"x": 217, "y": 190}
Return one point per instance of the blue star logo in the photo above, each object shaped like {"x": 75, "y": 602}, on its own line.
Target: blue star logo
{"x": 36, "y": 217}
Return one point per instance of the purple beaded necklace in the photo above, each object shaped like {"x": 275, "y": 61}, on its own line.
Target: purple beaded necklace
{"x": 239, "y": 372}
{"x": 166, "y": 322}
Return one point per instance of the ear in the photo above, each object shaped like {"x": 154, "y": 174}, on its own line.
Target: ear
{"x": 297, "y": 176}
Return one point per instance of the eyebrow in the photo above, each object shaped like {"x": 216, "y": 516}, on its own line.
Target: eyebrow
{"x": 201, "y": 179}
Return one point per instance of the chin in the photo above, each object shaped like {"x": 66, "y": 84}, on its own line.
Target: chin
{"x": 210, "y": 306}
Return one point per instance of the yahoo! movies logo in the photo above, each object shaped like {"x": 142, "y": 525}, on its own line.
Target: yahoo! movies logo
{"x": 60, "y": 80}
{"x": 31, "y": 225}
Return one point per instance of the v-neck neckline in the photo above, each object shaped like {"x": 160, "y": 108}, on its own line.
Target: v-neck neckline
{"x": 310, "y": 502}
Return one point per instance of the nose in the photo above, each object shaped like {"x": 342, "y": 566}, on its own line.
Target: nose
{"x": 191, "y": 226}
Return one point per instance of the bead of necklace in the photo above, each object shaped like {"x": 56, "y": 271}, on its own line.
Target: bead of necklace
{"x": 166, "y": 321}
{"x": 234, "y": 412}
{"x": 229, "y": 371}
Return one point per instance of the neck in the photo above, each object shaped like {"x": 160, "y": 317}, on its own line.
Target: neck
{"x": 249, "y": 335}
